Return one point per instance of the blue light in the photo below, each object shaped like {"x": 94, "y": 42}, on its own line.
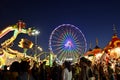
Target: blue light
{"x": 68, "y": 44}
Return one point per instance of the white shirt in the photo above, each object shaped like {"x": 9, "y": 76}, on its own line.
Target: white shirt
{"x": 67, "y": 75}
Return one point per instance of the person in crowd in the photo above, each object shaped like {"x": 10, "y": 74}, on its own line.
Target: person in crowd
{"x": 48, "y": 70}
{"x": 110, "y": 72}
{"x": 35, "y": 71}
{"x": 24, "y": 71}
{"x": 102, "y": 72}
{"x": 14, "y": 70}
{"x": 83, "y": 65}
{"x": 67, "y": 71}
{"x": 95, "y": 71}
{"x": 5, "y": 73}
{"x": 89, "y": 71}
{"x": 55, "y": 72}
{"x": 77, "y": 71}
{"x": 43, "y": 72}
{"x": 117, "y": 72}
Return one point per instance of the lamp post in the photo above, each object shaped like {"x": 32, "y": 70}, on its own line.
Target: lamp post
{"x": 35, "y": 33}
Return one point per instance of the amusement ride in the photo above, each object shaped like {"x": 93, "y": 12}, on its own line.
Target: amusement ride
{"x": 67, "y": 42}
{"x": 7, "y": 54}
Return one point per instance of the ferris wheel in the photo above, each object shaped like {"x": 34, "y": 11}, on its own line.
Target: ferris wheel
{"x": 67, "y": 42}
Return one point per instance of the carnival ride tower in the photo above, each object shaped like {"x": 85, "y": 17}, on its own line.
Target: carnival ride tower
{"x": 5, "y": 50}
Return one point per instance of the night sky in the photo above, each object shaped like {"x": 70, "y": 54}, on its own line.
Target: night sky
{"x": 95, "y": 18}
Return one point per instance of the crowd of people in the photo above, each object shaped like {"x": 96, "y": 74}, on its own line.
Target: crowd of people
{"x": 83, "y": 70}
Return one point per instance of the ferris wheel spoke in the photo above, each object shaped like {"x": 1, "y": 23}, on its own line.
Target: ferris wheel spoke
{"x": 61, "y": 39}
{"x": 69, "y": 52}
{"x": 76, "y": 53}
{"x": 55, "y": 38}
{"x": 66, "y": 55}
{"x": 56, "y": 45}
{"x": 78, "y": 50}
{"x": 76, "y": 39}
{"x": 58, "y": 38}
{"x": 65, "y": 34}
{"x": 57, "y": 42}
{"x": 56, "y": 35}
{"x": 78, "y": 43}
{"x": 78, "y": 47}
{"x": 73, "y": 54}
{"x": 59, "y": 48}
{"x": 74, "y": 34}
{"x": 62, "y": 54}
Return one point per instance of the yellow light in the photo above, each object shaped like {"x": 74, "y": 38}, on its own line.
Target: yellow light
{"x": 31, "y": 45}
{"x": 21, "y": 43}
{"x": 98, "y": 56}
{"x": 115, "y": 52}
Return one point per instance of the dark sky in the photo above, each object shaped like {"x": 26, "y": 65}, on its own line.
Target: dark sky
{"x": 95, "y": 18}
